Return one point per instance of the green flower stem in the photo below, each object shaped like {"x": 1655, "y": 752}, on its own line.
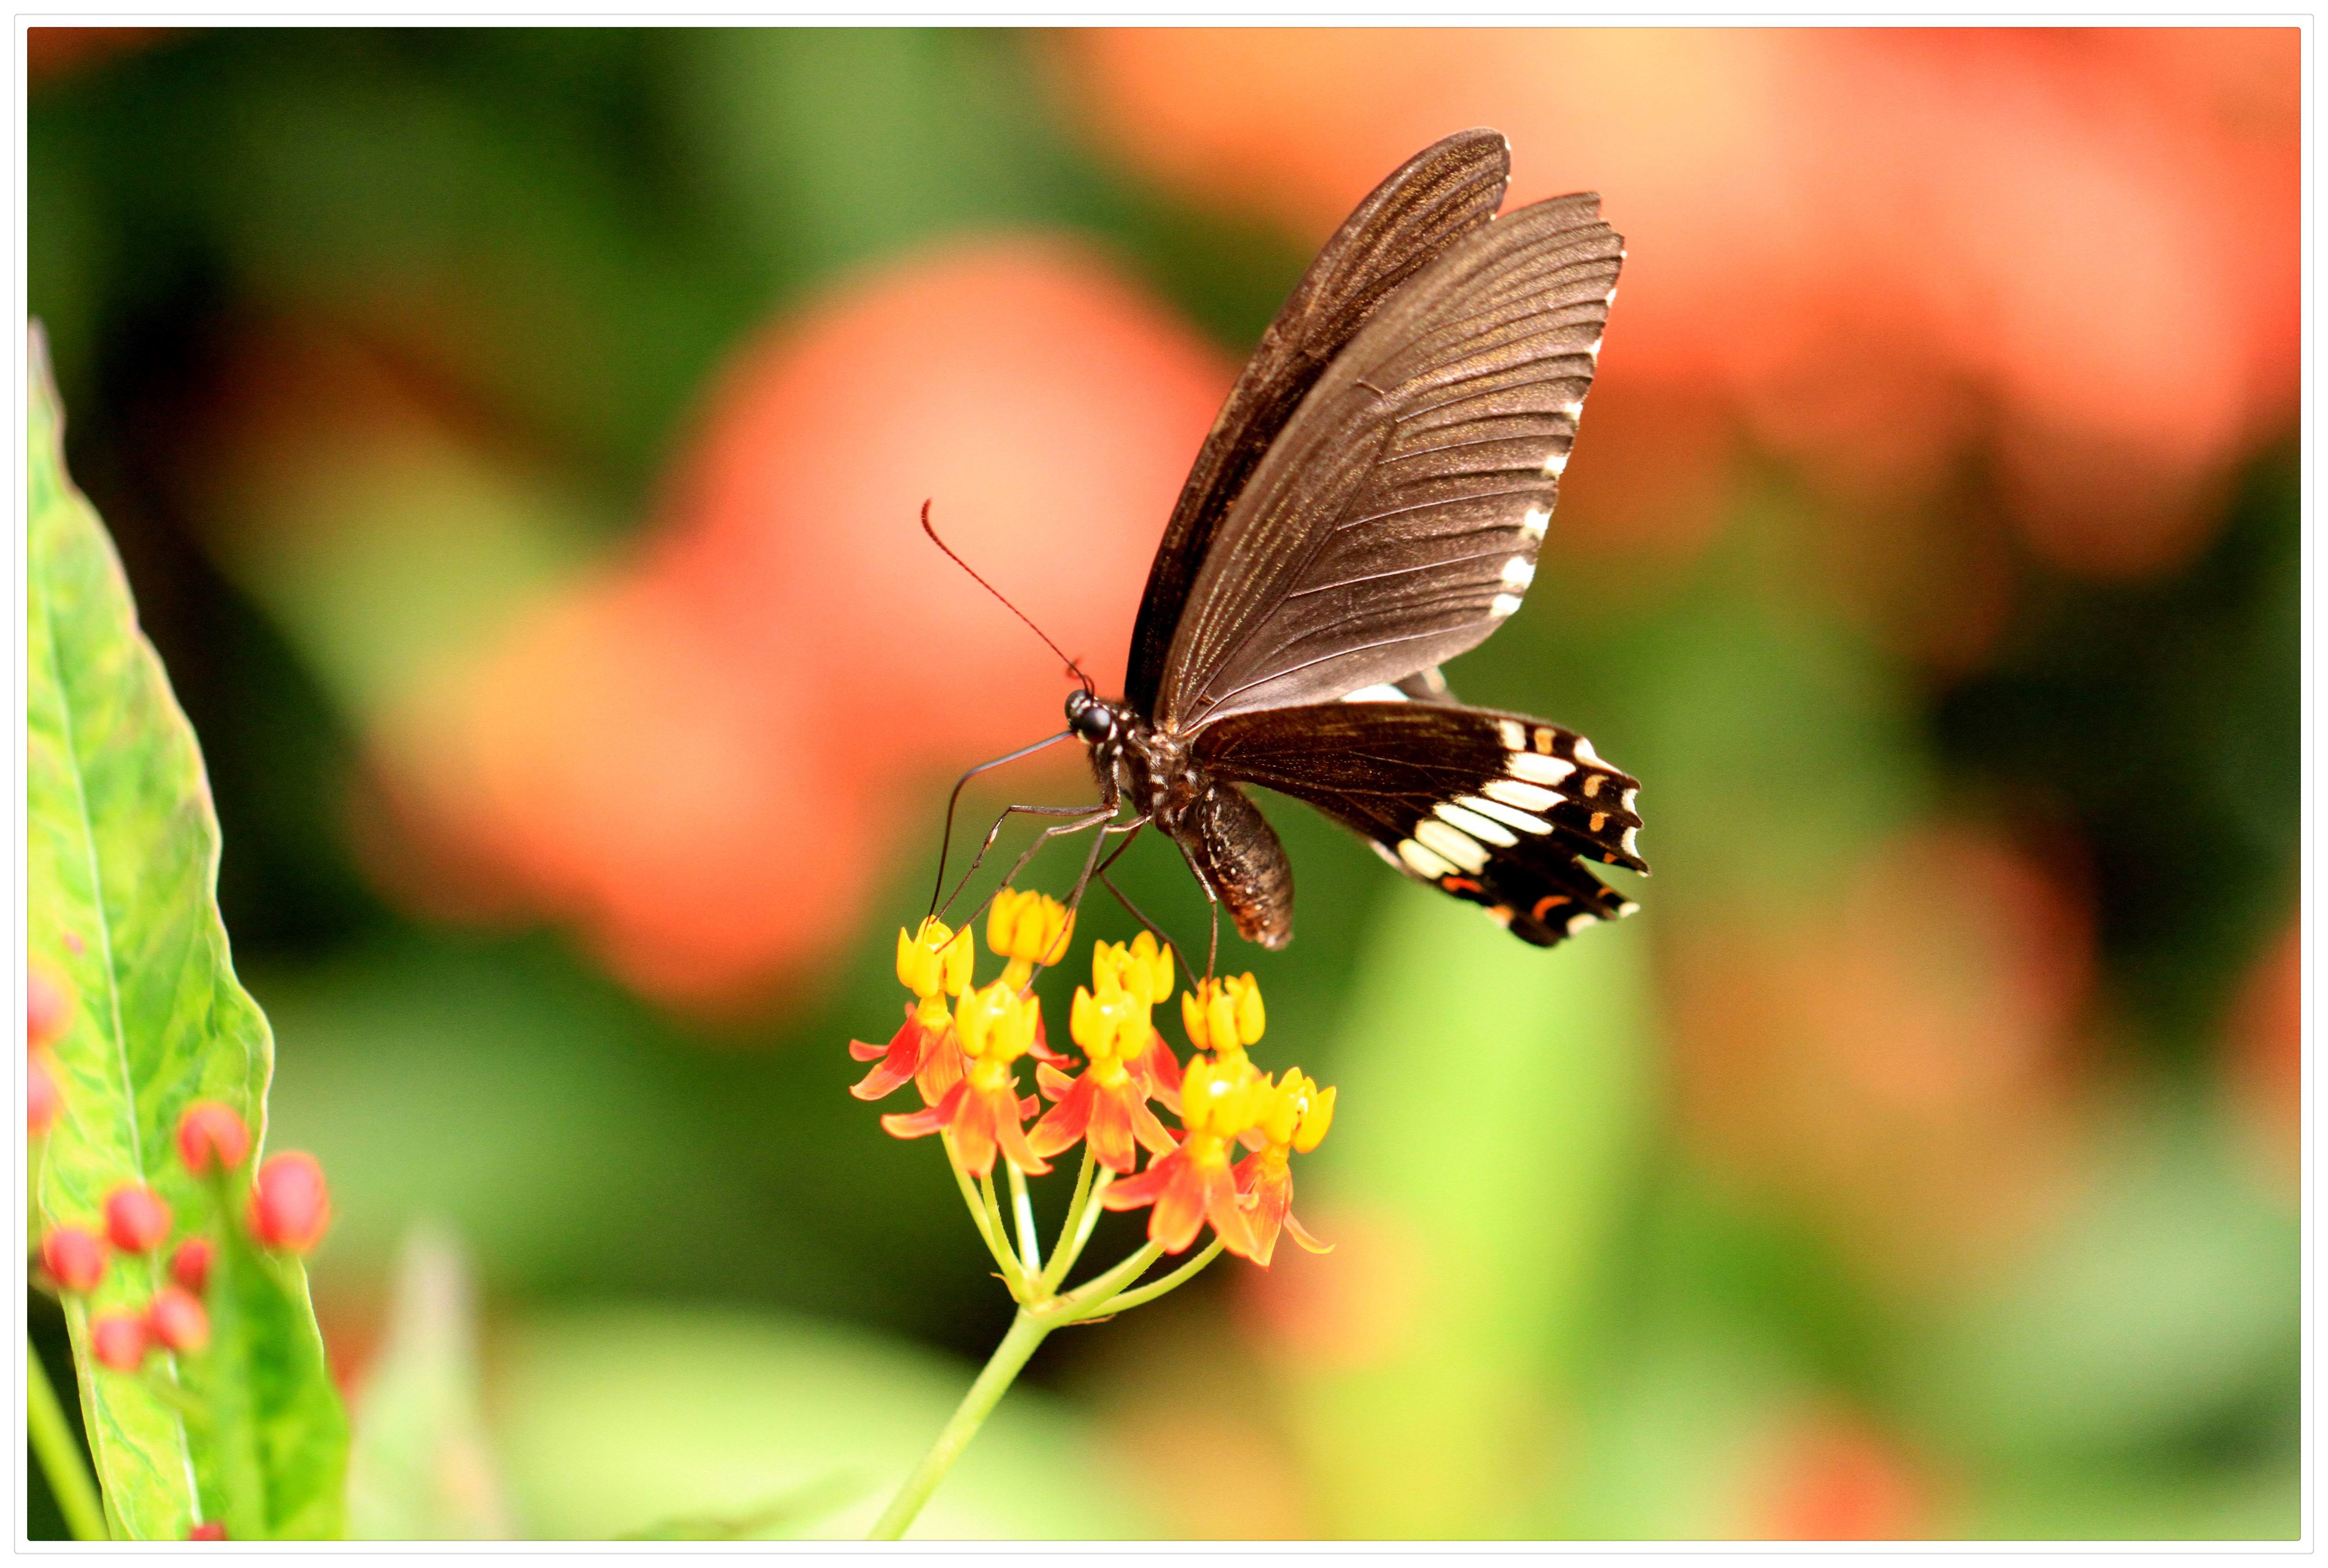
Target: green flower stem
{"x": 1017, "y": 1269}
{"x": 1095, "y": 1293}
{"x": 1004, "y": 1259}
{"x": 1027, "y": 1332}
{"x": 1171, "y": 1281}
{"x": 1071, "y": 1229}
{"x": 53, "y": 1444}
{"x": 1022, "y": 1209}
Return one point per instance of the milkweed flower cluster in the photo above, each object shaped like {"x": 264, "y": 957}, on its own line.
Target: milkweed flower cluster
{"x": 962, "y": 1046}
{"x": 963, "y": 1056}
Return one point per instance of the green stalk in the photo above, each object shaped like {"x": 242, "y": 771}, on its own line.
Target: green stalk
{"x": 1095, "y": 1293}
{"x": 60, "y": 1460}
{"x": 1071, "y": 1229}
{"x": 1022, "y": 1208}
{"x": 1179, "y": 1277}
{"x": 1027, "y": 1332}
{"x": 1004, "y": 1258}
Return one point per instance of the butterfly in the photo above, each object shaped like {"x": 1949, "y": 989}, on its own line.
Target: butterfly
{"x": 1368, "y": 504}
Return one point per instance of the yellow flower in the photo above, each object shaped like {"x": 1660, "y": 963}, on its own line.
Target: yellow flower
{"x": 997, "y": 1026}
{"x": 1027, "y": 929}
{"x": 1293, "y": 1115}
{"x": 1224, "y": 1016}
{"x": 983, "y": 1111}
{"x": 935, "y": 961}
{"x": 1194, "y": 1185}
{"x": 1144, "y": 968}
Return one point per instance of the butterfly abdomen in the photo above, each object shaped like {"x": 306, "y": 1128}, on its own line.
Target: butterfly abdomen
{"x": 1231, "y": 843}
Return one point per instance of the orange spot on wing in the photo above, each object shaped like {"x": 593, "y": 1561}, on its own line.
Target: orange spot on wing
{"x": 1549, "y": 901}
{"x": 1459, "y": 885}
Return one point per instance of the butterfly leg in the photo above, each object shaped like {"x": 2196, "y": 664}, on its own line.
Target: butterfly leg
{"x": 1213, "y": 948}
{"x": 1085, "y": 817}
{"x": 1091, "y": 861}
{"x": 1089, "y": 814}
{"x": 945, "y": 844}
{"x": 1158, "y": 932}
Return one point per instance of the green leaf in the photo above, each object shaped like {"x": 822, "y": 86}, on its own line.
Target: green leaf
{"x": 420, "y": 1469}
{"x": 122, "y": 849}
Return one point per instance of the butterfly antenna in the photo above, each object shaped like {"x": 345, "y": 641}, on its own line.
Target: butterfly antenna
{"x": 1073, "y": 668}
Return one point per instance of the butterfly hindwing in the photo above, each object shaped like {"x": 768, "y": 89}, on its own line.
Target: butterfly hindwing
{"x": 1395, "y": 520}
{"x": 1497, "y": 808}
{"x": 1441, "y": 194}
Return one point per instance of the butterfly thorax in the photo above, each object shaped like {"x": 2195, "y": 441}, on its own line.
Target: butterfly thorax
{"x": 1228, "y": 842}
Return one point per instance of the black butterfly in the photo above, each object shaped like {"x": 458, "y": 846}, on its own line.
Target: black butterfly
{"x": 1369, "y": 503}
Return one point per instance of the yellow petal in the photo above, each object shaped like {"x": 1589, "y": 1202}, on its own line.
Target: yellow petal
{"x": 1315, "y": 1121}
{"x": 1250, "y": 1017}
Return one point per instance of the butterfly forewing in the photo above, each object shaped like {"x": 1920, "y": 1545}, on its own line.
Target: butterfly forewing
{"x": 1444, "y": 192}
{"x": 1394, "y": 521}
{"x": 1497, "y": 808}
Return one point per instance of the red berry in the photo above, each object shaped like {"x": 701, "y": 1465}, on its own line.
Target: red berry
{"x": 211, "y": 1131}
{"x": 209, "y": 1530}
{"x": 190, "y": 1266}
{"x": 289, "y": 1205}
{"x": 46, "y": 1011}
{"x": 136, "y": 1219}
{"x": 119, "y": 1340}
{"x": 41, "y": 1101}
{"x": 177, "y": 1320}
{"x": 74, "y": 1258}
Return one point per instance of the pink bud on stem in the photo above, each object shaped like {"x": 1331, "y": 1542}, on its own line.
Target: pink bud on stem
{"x": 74, "y": 1258}
{"x": 120, "y": 1341}
{"x": 190, "y": 1266}
{"x": 289, "y": 1205}
{"x": 177, "y": 1321}
{"x": 135, "y": 1218}
{"x": 212, "y": 1134}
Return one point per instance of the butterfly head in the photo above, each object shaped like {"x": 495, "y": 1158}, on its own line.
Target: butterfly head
{"x": 1093, "y": 720}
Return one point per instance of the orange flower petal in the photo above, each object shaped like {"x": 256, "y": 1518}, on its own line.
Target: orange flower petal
{"x": 922, "y": 1122}
{"x": 1135, "y": 1191}
{"x": 1060, "y": 1130}
{"x": 1294, "y": 1228}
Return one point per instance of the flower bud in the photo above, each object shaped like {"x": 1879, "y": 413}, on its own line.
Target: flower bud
{"x": 1148, "y": 971}
{"x": 934, "y": 960}
{"x": 289, "y": 1204}
{"x": 120, "y": 1341}
{"x": 1218, "y": 1098}
{"x": 208, "y": 1530}
{"x": 1029, "y": 927}
{"x": 42, "y": 1103}
{"x": 47, "y": 1009}
{"x": 208, "y": 1131}
{"x": 997, "y": 1023}
{"x": 177, "y": 1321}
{"x": 74, "y": 1258}
{"x": 135, "y": 1218}
{"x": 1224, "y": 1016}
{"x": 190, "y": 1266}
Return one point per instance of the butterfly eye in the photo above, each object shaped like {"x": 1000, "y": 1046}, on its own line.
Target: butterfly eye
{"x": 1093, "y": 720}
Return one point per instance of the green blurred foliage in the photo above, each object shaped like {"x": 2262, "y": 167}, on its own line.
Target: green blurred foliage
{"x": 121, "y": 858}
{"x": 712, "y": 1286}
